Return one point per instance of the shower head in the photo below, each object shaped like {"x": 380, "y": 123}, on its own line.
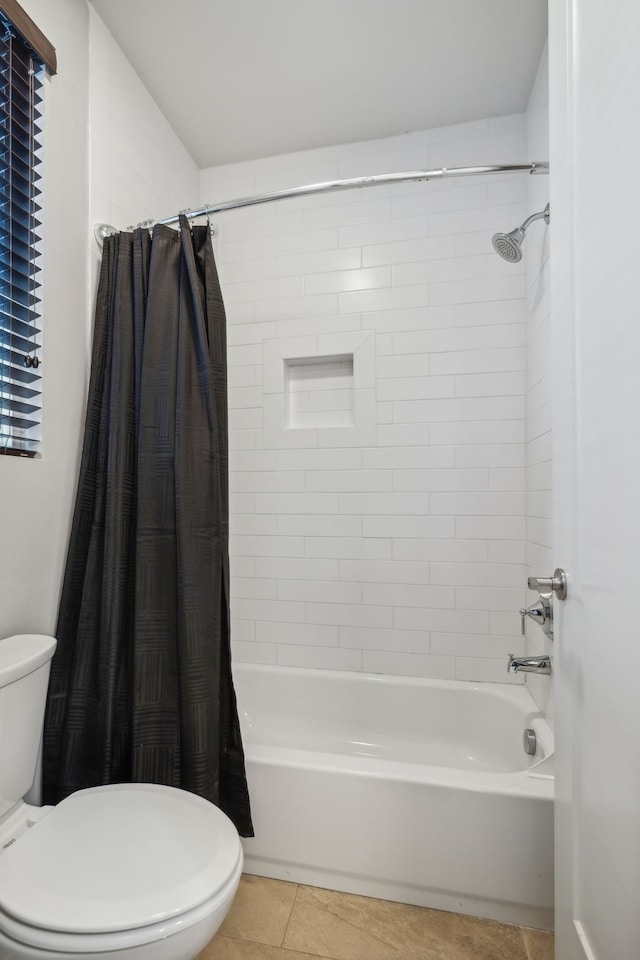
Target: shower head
{"x": 509, "y": 245}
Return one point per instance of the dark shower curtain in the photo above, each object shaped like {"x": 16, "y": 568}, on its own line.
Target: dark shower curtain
{"x": 141, "y": 686}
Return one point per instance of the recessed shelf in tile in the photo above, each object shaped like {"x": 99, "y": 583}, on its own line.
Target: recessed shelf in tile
{"x": 319, "y": 392}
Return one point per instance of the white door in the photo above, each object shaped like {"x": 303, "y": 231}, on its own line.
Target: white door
{"x": 594, "y": 50}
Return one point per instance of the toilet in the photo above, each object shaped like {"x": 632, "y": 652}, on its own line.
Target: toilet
{"x": 133, "y": 871}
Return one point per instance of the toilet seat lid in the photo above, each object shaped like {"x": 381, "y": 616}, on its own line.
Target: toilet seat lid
{"x": 118, "y": 857}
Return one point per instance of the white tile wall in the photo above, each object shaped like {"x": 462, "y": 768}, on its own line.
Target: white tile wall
{"x": 139, "y": 169}
{"x": 540, "y": 557}
{"x": 401, "y": 549}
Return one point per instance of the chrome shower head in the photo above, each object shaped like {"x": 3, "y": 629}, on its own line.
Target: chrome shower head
{"x": 509, "y": 245}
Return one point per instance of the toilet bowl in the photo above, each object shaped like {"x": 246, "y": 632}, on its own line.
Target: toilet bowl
{"x": 132, "y": 871}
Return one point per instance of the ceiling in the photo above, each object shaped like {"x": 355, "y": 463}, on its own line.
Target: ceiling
{"x": 240, "y": 79}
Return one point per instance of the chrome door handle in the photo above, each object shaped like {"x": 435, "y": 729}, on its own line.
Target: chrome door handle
{"x": 547, "y": 585}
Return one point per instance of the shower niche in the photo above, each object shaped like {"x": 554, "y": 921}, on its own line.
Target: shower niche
{"x": 319, "y": 391}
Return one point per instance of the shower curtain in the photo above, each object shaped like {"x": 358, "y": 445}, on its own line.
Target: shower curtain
{"x": 141, "y": 686}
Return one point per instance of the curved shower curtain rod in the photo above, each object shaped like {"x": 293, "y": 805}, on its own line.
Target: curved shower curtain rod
{"x": 103, "y": 230}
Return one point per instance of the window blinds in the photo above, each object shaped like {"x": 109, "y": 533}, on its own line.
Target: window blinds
{"x": 21, "y": 75}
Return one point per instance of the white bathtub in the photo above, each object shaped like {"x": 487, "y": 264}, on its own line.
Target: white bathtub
{"x": 411, "y": 790}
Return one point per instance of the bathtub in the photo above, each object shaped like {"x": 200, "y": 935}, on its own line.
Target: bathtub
{"x": 406, "y": 789}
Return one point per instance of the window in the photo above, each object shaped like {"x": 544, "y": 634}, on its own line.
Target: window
{"x": 21, "y": 75}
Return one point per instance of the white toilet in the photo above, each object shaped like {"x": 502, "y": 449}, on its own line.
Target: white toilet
{"x": 130, "y": 871}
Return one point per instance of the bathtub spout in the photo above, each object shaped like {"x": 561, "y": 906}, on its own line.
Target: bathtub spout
{"x": 529, "y": 664}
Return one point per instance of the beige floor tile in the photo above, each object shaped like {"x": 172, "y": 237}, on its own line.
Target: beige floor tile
{"x": 345, "y": 927}
{"x": 540, "y": 944}
{"x": 260, "y": 911}
{"x": 227, "y": 948}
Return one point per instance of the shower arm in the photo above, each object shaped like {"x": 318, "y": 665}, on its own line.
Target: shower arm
{"x": 542, "y": 215}
{"x": 103, "y": 230}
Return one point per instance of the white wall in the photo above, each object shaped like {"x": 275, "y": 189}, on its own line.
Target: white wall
{"x": 37, "y": 494}
{"x": 109, "y": 155}
{"x": 397, "y": 545}
{"x": 540, "y": 558}
{"x": 139, "y": 168}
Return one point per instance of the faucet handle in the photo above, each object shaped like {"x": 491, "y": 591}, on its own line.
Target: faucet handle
{"x": 541, "y": 612}
{"x": 538, "y": 611}
{"x": 547, "y": 585}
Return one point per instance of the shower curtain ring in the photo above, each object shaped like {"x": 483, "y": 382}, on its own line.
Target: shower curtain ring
{"x": 210, "y": 223}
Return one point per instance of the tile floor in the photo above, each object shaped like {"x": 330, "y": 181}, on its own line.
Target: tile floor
{"x": 276, "y": 920}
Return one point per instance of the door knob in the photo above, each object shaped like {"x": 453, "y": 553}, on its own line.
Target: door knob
{"x": 547, "y": 585}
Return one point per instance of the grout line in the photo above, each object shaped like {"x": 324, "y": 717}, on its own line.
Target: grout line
{"x": 286, "y": 926}
{"x": 526, "y": 945}
{"x": 273, "y": 946}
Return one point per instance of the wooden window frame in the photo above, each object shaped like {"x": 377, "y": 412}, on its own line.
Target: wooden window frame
{"x": 31, "y": 33}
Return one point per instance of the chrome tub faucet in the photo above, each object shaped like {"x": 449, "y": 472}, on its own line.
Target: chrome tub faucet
{"x": 529, "y": 664}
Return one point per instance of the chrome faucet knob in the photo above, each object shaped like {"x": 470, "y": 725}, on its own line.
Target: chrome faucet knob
{"x": 541, "y": 612}
{"x": 536, "y": 612}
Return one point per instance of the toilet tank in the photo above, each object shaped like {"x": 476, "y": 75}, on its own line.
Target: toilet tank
{"x": 24, "y": 674}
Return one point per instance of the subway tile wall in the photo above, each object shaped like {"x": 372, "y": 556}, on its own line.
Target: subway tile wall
{"x": 398, "y": 547}
{"x": 540, "y": 557}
